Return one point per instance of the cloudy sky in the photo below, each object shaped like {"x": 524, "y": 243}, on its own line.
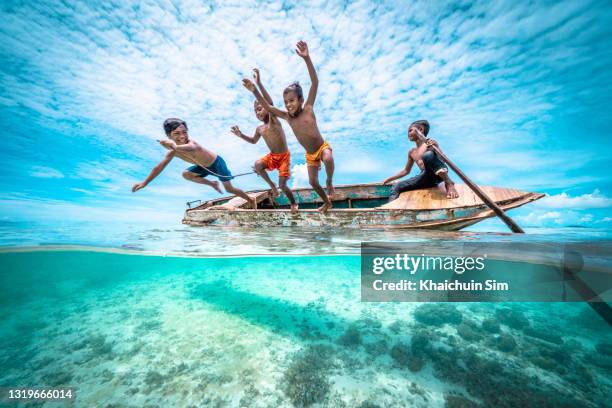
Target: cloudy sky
{"x": 518, "y": 94}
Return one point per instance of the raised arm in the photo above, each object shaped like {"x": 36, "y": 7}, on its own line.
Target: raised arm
{"x": 273, "y": 110}
{"x": 405, "y": 171}
{"x": 236, "y": 130}
{"x": 264, "y": 93}
{"x": 154, "y": 172}
{"x": 171, "y": 145}
{"x": 302, "y": 51}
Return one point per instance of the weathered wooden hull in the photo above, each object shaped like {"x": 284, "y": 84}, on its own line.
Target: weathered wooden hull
{"x": 442, "y": 214}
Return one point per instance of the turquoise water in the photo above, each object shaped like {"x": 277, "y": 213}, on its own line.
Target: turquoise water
{"x": 135, "y": 329}
{"x": 179, "y": 239}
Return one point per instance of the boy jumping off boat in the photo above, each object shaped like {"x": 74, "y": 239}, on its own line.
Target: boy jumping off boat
{"x": 205, "y": 162}
{"x": 302, "y": 120}
{"x": 274, "y": 136}
{"x": 433, "y": 170}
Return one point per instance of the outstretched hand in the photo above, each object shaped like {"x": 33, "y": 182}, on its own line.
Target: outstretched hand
{"x": 137, "y": 187}
{"x": 248, "y": 84}
{"x": 302, "y": 49}
{"x": 236, "y": 130}
{"x": 256, "y": 77}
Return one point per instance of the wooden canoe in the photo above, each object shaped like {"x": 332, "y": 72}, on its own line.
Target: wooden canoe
{"x": 360, "y": 206}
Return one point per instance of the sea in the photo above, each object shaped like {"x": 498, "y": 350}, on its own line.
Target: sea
{"x": 178, "y": 316}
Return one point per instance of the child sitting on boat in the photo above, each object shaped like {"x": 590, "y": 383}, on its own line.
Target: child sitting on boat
{"x": 433, "y": 170}
{"x": 274, "y": 136}
{"x": 205, "y": 162}
{"x": 302, "y": 120}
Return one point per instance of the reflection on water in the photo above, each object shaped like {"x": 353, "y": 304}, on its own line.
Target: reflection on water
{"x": 211, "y": 241}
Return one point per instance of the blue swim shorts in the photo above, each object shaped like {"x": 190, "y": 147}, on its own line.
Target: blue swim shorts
{"x": 218, "y": 169}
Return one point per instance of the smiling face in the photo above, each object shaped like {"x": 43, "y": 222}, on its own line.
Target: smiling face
{"x": 293, "y": 103}
{"x": 260, "y": 112}
{"x": 179, "y": 135}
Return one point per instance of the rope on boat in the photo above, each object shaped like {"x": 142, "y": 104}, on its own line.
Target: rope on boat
{"x": 233, "y": 177}
{"x": 189, "y": 203}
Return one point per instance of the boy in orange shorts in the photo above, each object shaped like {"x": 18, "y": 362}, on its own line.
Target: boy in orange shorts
{"x": 302, "y": 120}
{"x": 274, "y": 136}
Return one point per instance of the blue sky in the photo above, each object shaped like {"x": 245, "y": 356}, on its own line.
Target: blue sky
{"x": 518, "y": 94}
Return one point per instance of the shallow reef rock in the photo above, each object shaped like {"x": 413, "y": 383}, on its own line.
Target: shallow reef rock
{"x": 306, "y": 380}
{"x": 420, "y": 344}
{"x": 377, "y": 348}
{"x": 505, "y": 342}
{"x": 469, "y": 331}
{"x": 351, "y": 337}
{"x": 491, "y": 325}
{"x": 514, "y": 319}
{"x": 433, "y": 314}
{"x": 402, "y": 354}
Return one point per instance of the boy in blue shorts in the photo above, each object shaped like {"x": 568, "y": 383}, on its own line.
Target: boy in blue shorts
{"x": 205, "y": 162}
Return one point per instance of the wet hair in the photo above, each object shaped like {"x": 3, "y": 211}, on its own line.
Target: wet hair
{"x": 256, "y": 102}
{"x": 171, "y": 124}
{"x": 296, "y": 88}
{"x": 422, "y": 123}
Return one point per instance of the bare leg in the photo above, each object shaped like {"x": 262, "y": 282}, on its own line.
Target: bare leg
{"x": 260, "y": 168}
{"x": 313, "y": 177}
{"x": 234, "y": 190}
{"x": 328, "y": 159}
{"x": 196, "y": 178}
{"x": 451, "y": 192}
{"x": 282, "y": 182}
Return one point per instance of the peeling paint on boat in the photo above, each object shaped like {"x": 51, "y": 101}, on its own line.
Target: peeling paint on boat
{"x": 450, "y": 214}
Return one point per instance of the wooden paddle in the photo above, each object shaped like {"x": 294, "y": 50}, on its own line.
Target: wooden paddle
{"x": 481, "y": 194}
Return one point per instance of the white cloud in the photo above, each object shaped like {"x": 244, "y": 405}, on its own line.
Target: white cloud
{"x": 564, "y": 218}
{"x": 359, "y": 164}
{"x": 45, "y": 172}
{"x": 591, "y": 200}
{"x": 299, "y": 176}
{"x": 60, "y": 210}
{"x": 539, "y": 218}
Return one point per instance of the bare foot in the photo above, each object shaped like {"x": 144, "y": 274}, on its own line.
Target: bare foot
{"x": 451, "y": 192}
{"x": 215, "y": 185}
{"x": 294, "y": 208}
{"x": 326, "y": 206}
{"x": 331, "y": 192}
{"x": 275, "y": 193}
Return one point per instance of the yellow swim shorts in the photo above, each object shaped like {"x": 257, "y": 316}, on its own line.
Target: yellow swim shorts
{"x": 314, "y": 159}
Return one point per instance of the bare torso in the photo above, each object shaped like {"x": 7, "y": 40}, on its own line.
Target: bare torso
{"x": 416, "y": 154}
{"x": 306, "y": 130}
{"x": 274, "y": 135}
{"x": 200, "y": 155}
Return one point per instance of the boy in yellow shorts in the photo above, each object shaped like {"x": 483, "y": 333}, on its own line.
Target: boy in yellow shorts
{"x": 302, "y": 120}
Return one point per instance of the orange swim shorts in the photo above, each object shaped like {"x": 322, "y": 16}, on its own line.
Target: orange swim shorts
{"x": 314, "y": 159}
{"x": 280, "y": 161}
